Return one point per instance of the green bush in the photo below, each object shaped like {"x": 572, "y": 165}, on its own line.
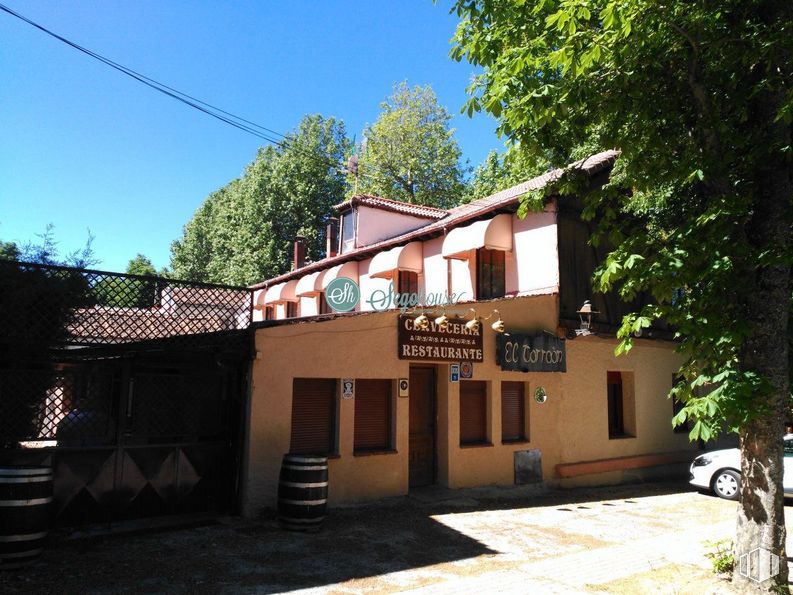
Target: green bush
{"x": 721, "y": 556}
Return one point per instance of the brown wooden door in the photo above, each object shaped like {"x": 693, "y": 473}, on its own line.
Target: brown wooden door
{"x": 422, "y": 427}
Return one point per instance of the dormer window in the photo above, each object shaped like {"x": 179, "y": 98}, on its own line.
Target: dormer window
{"x": 347, "y": 235}
{"x": 366, "y": 220}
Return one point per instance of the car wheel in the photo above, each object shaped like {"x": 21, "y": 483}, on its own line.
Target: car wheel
{"x": 727, "y": 484}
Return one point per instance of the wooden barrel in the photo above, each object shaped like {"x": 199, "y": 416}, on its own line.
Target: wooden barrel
{"x": 303, "y": 492}
{"x": 25, "y": 513}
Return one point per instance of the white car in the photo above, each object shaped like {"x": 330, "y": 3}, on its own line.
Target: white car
{"x": 720, "y": 471}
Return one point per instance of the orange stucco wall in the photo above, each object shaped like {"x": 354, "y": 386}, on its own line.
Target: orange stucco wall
{"x": 570, "y": 427}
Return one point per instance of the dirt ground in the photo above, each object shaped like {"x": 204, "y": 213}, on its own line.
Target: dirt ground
{"x": 627, "y": 539}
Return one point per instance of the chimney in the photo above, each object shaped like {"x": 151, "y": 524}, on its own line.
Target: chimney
{"x": 332, "y": 237}
{"x": 300, "y": 253}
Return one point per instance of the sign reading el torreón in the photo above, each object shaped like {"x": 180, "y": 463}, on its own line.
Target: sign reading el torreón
{"x": 541, "y": 352}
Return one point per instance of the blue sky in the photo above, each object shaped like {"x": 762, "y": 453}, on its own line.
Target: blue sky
{"x": 84, "y": 147}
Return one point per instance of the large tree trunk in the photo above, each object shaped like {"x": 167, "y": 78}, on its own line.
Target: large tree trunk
{"x": 761, "y": 514}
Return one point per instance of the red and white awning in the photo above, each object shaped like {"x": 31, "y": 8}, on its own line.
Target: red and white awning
{"x": 495, "y": 234}
{"x": 281, "y": 292}
{"x": 348, "y": 269}
{"x": 310, "y": 284}
{"x": 258, "y": 299}
{"x": 402, "y": 258}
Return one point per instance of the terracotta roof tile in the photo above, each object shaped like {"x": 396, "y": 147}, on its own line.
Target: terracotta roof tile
{"x": 456, "y": 216}
{"x": 386, "y": 204}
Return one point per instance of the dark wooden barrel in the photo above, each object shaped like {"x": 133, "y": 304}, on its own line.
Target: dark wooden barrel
{"x": 303, "y": 492}
{"x": 25, "y": 513}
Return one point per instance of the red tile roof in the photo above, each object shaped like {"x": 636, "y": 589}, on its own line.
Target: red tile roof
{"x": 456, "y": 216}
{"x": 396, "y": 206}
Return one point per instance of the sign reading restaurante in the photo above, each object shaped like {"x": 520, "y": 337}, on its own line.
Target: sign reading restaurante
{"x": 542, "y": 352}
{"x": 454, "y": 343}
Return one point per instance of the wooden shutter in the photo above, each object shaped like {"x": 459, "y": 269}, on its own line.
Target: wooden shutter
{"x": 324, "y": 308}
{"x": 473, "y": 412}
{"x": 372, "y": 415}
{"x": 313, "y": 416}
{"x": 512, "y": 411}
{"x": 408, "y": 282}
{"x": 490, "y": 274}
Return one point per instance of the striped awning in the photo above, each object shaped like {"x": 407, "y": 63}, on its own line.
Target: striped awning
{"x": 348, "y": 269}
{"x": 402, "y": 258}
{"x": 258, "y": 299}
{"x": 309, "y": 284}
{"x": 281, "y": 292}
{"x": 495, "y": 234}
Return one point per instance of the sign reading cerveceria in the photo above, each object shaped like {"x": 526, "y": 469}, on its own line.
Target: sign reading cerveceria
{"x": 454, "y": 343}
{"x": 542, "y": 352}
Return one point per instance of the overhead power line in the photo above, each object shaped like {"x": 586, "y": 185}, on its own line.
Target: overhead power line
{"x": 257, "y": 130}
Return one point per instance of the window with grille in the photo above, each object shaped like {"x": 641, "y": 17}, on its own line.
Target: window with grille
{"x": 490, "y": 281}
{"x": 291, "y": 309}
{"x": 513, "y": 412}
{"x": 408, "y": 282}
{"x": 313, "y": 416}
{"x": 473, "y": 412}
{"x": 269, "y": 313}
{"x": 372, "y": 415}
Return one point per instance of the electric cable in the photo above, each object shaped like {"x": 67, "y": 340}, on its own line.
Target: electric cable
{"x": 229, "y": 118}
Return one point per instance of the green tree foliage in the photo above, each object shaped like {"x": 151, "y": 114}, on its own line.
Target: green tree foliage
{"x": 140, "y": 265}
{"x": 45, "y": 251}
{"x": 36, "y": 307}
{"x": 697, "y": 96}
{"x": 129, "y": 292}
{"x": 498, "y": 172}
{"x": 9, "y": 251}
{"x": 410, "y": 152}
{"x": 243, "y": 232}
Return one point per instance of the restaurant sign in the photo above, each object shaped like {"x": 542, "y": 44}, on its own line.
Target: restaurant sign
{"x": 452, "y": 343}
{"x": 542, "y": 352}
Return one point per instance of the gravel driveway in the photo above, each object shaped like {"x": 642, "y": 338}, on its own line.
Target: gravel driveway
{"x": 622, "y": 539}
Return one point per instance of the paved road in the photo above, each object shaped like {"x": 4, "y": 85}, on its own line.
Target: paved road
{"x": 597, "y": 540}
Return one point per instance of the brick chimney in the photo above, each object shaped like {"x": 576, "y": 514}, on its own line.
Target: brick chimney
{"x": 332, "y": 237}
{"x": 300, "y": 253}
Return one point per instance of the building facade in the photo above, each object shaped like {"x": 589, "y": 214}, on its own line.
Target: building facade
{"x": 446, "y": 347}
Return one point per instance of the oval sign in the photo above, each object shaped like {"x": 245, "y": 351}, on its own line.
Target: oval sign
{"x": 342, "y": 294}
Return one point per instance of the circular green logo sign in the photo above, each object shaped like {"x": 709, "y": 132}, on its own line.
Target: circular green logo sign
{"x": 342, "y": 294}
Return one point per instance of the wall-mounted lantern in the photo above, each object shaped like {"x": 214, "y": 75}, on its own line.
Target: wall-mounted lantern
{"x": 422, "y": 322}
{"x": 585, "y": 318}
{"x": 498, "y": 325}
{"x": 442, "y": 321}
{"x": 473, "y": 324}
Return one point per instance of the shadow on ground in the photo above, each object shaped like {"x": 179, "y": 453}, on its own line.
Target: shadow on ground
{"x": 235, "y": 555}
